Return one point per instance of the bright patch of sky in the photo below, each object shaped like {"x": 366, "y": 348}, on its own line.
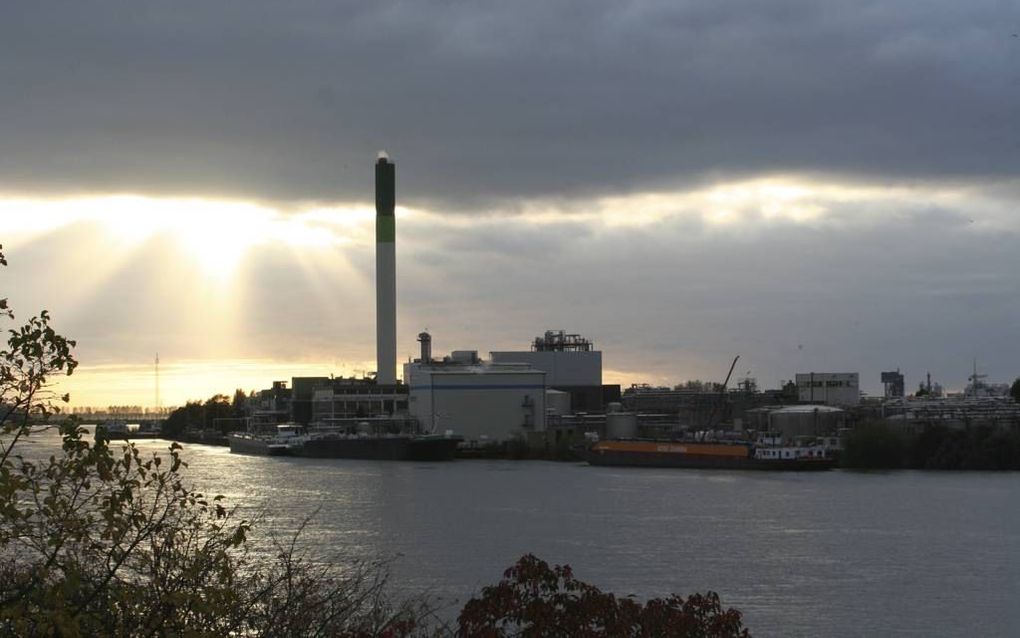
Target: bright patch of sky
{"x": 670, "y": 285}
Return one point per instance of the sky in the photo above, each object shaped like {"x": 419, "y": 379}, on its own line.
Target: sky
{"x": 814, "y": 186}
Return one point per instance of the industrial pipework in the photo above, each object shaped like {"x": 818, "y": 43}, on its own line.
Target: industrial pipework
{"x": 425, "y": 339}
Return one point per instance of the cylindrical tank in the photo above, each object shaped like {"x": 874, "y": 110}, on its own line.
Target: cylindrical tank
{"x": 806, "y": 420}
{"x": 621, "y": 425}
{"x": 614, "y": 406}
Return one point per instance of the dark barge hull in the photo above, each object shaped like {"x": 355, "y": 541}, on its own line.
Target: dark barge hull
{"x": 381, "y": 449}
{"x": 666, "y": 459}
{"x": 245, "y": 445}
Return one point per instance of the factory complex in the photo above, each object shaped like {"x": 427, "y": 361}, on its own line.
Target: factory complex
{"x": 511, "y": 394}
{"x": 551, "y": 394}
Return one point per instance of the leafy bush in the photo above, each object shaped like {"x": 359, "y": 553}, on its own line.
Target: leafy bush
{"x": 878, "y": 445}
{"x": 536, "y": 600}
{"x": 873, "y": 445}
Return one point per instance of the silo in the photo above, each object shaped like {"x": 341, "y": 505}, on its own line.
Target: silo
{"x": 621, "y": 425}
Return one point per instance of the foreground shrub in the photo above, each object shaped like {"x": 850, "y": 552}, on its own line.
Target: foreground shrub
{"x": 873, "y": 445}
{"x": 534, "y": 599}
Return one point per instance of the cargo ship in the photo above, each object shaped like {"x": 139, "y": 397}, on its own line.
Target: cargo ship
{"x": 292, "y": 440}
{"x": 288, "y": 436}
{"x": 385, "y": 447}
{"x": 111, "y": 430}
{"x": 737, "y": 455}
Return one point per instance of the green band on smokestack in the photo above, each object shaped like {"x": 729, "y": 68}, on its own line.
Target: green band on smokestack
{"x": 385, "y": 200}
{"x": 385, "y": 229}
{"x": 385, "y": 187}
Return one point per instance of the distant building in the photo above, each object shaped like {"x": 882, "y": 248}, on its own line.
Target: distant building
{"x": 915, "y": 414}
{"x": 479, "y": 400}
{"x": 691, "y": 408}
{"x": 571, "y": 364}
{"x": 341, "y": 400}
{"x": 271, "y": 406}
{"x": 979, "y": 388}
{"x": 829, "y": 388}
{"x": 322, "y": 399}
{"x": 893, "y": 383}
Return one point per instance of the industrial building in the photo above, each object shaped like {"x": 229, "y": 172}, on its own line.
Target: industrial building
{"x": 342, "y": 400}
{"x": 479, "y": 400}
{"x": 913, "y": 415}
{"x": 328, "y": 400}
{"x": 690, "y": 408}
{"x": 572, "y": 365}
{"x": 893, "y": 384}
{"x": 707, "y": 407}
{"x": 829, "y": 388}
{"x": 268, "y": 407}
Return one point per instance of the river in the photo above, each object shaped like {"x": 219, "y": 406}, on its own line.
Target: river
{"x": 821, "y": 554}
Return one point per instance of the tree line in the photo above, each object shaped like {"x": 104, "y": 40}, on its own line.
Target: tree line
{"x": 218, "y": 412}
{"x": 877, "y": 445}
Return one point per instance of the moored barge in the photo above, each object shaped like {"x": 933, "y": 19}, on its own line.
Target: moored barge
{"x": 708, "y": 455}
{"x": 293, "y": 440}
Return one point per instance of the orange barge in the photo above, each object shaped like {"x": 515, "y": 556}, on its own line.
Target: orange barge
{"x": 707, "y": 455}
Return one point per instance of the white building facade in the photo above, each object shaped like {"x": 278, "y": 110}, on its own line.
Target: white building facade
{"x": 571, "y": 363}
{"x": 829, "y": 388}
{"x": 563, "y": 368}
{"x": 480, "y": 401}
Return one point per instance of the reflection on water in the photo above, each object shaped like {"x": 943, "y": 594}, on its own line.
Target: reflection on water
{"x": 839, "y": 553}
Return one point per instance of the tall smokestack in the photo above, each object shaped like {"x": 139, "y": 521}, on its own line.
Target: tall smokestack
{"x": 385, "y": 272}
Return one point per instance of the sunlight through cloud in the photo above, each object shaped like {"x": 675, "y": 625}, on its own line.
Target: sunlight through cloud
{"x": 215, "y": 234}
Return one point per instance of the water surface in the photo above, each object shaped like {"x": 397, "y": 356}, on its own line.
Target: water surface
{"x": 817, "y": 554}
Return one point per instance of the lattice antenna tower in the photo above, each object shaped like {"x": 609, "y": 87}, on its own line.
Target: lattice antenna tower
{"x": 157, "y": 383}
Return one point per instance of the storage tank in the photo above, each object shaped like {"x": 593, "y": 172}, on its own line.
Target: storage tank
{"x": 621, "y": 425}
{"x": 806, "y": 420}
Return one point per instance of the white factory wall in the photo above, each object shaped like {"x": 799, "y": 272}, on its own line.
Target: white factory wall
{"x": 476, "y": 402}
{"x": 557, "y": 402}
{"x": 563, "y": 368}
{"x": 829, "y": 388}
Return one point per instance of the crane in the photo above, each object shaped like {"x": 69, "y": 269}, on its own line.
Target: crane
{"x": 710, "y": 423}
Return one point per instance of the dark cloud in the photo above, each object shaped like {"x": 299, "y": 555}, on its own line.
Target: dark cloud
{"x": 484, "y": 104}
{"x": 893, "y": 285}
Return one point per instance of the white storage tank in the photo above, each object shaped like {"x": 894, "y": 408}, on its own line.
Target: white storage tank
{"x": 621, "y": 425}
